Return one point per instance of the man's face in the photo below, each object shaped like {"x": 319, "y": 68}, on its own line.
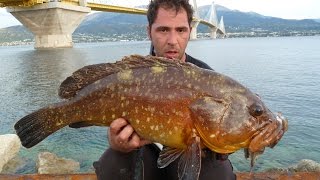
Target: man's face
{"x": 170, "y": 33}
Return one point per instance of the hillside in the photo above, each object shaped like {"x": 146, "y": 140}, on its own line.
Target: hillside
{"x": 104, "y": 26}
{"x": 242, "y": 22}
{"x": 235, "y": 22}
{"x": 15, "y": 35}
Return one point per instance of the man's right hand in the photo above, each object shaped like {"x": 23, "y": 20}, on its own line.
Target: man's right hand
{"x": 122, "y": 136}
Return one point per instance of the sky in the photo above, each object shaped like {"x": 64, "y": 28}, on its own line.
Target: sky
{"x": 286, "y": 9}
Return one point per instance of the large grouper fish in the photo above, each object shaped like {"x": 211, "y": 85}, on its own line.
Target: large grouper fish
{"x": 177, "y": 104}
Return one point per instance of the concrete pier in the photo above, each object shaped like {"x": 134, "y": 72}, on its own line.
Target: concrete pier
{"x": 195, "y": 22}
{"x": 213, "y": 32}
{"x": 52, "y": 23}
{"x": 194, "y": 26}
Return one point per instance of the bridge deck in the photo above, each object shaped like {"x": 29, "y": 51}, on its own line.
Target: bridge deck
{"x": 95, "y": 7}
{"x": 119, "y": 9}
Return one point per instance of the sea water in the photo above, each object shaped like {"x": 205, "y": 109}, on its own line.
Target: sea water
{"x": 284, "y": 71}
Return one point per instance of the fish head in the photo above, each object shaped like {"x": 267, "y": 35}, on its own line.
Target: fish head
{"x": 268, "y": 130}
{"x": 267, "y": 127}
{"x": 238, "y": 119}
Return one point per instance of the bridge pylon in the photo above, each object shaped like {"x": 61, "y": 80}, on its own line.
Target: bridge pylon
{"x": 52, "y": 23}
{"x": 212, "y": 13}
{"x": 194, "y": 26}
{"x": 222, "y": 28}
{"x": 213, "y": 19}
{"x": 195, "y": 21}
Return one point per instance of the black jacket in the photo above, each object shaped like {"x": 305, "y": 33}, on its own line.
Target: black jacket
{"x": 197, "y": 62}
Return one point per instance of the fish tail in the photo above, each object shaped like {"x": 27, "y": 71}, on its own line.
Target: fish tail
{"x": 38, "y": 125}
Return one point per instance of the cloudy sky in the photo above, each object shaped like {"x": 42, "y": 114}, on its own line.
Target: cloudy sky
{"x": 287, "y": 9}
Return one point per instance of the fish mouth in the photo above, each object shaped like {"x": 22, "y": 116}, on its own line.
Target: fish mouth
{"x": 283, "y": 121}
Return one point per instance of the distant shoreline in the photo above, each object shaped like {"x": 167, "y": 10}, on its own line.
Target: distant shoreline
{"x": 203, "y": 36}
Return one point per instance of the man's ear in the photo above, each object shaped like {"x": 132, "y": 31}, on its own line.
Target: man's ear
{"x": 149, "y": 32}
{"x": 190, "y": 32}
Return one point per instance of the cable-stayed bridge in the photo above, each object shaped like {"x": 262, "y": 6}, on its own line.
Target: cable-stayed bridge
{"x": 53, "y": 21}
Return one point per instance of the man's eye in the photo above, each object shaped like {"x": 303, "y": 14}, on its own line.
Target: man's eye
{"x": 163, "y": 30}
{"x": 181, "y": 30}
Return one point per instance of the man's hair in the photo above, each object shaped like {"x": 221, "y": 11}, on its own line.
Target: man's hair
{"x": 177, "y": 5}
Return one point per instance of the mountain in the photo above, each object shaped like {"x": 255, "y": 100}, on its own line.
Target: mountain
{"x": 236, "y": 21}
{"x": 106, "y": 26}
{"x": 112, "y": 23}
{"x": 15, "y": 33}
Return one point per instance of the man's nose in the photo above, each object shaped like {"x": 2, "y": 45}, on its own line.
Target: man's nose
{"x": 172, "y": 38}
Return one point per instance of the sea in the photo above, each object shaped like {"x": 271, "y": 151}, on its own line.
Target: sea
{"x": 284, "y": 71}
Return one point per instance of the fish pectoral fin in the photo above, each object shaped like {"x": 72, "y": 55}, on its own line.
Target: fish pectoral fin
{"x": 168, "y": 155}
{"x": 190, "y": 162}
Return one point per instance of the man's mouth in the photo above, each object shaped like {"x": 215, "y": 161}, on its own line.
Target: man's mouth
{"x": 171, "y": 54}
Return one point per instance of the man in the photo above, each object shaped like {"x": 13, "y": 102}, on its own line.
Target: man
{"x": 169, "y": 31}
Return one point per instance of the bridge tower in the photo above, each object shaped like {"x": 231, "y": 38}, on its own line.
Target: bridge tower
{"x": 213, "y": 20}
{"x": 222, "y": 28}
{"x": 52, "y": 23}
{"x": 195, "y": 22}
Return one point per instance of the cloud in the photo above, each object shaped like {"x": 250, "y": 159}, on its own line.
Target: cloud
{"x": 7, "y": 19}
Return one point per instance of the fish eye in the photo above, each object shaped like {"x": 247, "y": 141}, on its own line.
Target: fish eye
{"x": 256, "y": 110}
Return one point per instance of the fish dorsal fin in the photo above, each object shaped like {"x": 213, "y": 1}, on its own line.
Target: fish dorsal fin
{"x": 190, "y": 162}
{"x": 168, "y": 155}
{"x": 89, "y": 74}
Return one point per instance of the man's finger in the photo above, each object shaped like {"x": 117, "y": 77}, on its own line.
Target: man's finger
{"x": 135, "y": 141}
{"x": 117, "y": 125}
{"x": 125, "y": 133}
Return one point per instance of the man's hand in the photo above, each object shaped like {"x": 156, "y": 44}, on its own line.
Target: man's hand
{"x": 122, "y": 136}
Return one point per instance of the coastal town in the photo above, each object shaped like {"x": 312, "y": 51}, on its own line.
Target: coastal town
{"x": 91, "y": 38}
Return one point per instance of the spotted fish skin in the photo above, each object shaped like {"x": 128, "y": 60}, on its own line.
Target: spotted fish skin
{"x": 152, "y": 97}
{"x": 165, "y": 101}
